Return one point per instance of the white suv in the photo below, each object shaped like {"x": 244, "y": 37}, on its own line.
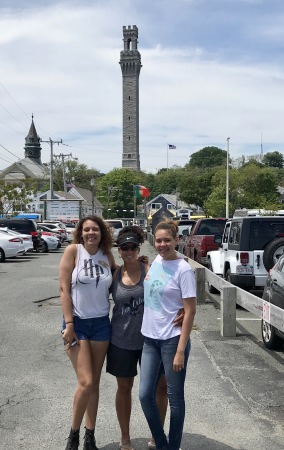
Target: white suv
{"x": 250, "y": 247}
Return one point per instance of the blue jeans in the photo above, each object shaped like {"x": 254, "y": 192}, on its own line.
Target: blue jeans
{"x": 156, "y": 355}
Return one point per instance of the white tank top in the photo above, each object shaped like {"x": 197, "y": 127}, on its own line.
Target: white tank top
{"x": 91, "y": 280}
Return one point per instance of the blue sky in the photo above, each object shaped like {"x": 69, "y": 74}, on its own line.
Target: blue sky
{"x": 212, "y": 69}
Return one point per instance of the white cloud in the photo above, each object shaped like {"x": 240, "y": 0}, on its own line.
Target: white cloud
{"x": 198, "y": 85}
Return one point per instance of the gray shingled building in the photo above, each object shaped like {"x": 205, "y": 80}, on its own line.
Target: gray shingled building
{"x": 130, "y": 63}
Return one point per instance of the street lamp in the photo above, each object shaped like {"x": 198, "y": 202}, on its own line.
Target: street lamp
{"x": 227, "y": 181}
{"x": 92, "y": 183}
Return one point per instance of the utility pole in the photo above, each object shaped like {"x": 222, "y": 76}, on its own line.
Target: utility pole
{"x": 62, "y": 156}
{"x": 109, "y": 191}
{"x": 92, "y": 183}
{"x": 227, "y": 179}
{"x": 51, "y": 142}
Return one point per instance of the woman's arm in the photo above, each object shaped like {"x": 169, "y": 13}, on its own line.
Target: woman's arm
{"x": 189, "y": 305}
{"x": 66, "y": 267}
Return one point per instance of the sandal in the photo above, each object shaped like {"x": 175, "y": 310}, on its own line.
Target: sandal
{"x": 151, "y": 445}
{"x": 125, "y": 445}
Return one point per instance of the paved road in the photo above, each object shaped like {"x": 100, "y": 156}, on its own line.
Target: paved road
{"x": 234, "y": 387}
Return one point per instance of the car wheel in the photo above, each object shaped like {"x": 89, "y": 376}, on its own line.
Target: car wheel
{"x": 2, "y": 255}
{"x": 43, "y": 248}
{"x": 269, "y": 336}
{"x": 228, "y": 276}
{"x": 272, "y": 253}
{"x": 211, "y": 288}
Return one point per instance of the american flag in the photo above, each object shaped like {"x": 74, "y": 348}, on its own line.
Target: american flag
{"x": 171, "y": 147}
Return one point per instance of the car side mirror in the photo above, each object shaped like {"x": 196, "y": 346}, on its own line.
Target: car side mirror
{"x": 185, "y": 232}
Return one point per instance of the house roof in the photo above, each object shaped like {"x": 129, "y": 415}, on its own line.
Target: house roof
{"x": 86, "y": 195}
{"x": 25, "y": 166}
{"x": 173, "y": 199}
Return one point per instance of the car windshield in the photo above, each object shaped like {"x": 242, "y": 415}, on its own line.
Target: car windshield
{"x": 212, "y": 226}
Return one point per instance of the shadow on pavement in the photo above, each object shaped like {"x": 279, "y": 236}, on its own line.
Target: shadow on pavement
{"x": 189, "y": 441}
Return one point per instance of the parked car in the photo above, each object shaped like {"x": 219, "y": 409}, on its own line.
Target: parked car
{"x": 55, "y": 228}
{"x": 184, "y": 228}
{"x": 24, "y": 226}
{"x": 49, "y": 243}
{"x": 69, "y": 234}
{"x": 115, "y": 226}
{"x": 27, "y": 239}
{"x": 50, "y": 232}
{"x": 10, "y": 246}
{"x": 201, "y": 239}
{"x": 250, "y": 247}
{"x": 274, "y": 294}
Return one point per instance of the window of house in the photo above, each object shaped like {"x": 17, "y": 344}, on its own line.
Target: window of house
{"x": 156, "y": 205}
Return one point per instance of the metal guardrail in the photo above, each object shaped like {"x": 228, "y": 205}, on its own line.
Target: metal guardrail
{"x": 230, "y": 295}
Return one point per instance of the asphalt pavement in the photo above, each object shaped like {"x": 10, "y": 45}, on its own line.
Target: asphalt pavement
{"x": 234, "y": 387}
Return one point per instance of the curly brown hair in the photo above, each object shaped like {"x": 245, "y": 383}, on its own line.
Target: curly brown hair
{"x": 169, "y": 225}
{"x": 133, "y": 229}
{"x": 106, "y": 237}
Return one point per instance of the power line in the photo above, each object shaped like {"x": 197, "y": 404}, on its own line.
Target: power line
{"x": 1, "y": 84}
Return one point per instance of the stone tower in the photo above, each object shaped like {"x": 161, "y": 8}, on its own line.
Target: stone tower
{"x": 32, "y": 146}
{"x": 130, "y": 63}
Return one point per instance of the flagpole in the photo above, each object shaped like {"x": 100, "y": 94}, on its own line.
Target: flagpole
{"x": 167, "y": 156}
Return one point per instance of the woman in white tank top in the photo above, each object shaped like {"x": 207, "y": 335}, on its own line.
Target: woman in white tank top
{"x": 85, "y": 274}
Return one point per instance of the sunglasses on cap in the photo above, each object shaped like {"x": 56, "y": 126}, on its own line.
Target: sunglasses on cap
{"x": 125, "y": 247}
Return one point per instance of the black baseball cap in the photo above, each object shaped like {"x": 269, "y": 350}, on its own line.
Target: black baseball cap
{"x": 130, "y": 238}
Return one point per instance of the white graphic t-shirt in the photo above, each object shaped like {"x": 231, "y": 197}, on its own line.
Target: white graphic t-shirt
{"x": 91, "y": 280}
{"x": 165, "y": 285}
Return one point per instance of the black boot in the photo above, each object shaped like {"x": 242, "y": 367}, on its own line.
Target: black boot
{"x": 90, "y": 442}
{"x": 73, "y": 440}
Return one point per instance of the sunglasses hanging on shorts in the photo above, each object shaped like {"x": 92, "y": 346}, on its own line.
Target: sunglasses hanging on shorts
{"x": 129, "y": 247}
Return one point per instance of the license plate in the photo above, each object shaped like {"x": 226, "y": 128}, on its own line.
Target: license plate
{"x": 244, "y": 269}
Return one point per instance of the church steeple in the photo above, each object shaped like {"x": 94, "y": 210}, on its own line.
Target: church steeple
{"x": 32, "y": 146}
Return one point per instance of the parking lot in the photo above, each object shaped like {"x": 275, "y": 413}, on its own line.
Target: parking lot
{"x": 234, "y": 387}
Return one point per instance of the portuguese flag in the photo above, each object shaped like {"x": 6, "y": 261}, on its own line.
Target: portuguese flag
{"x": 141, "y": 191}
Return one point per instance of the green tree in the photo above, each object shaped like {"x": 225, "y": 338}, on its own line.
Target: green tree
{"x": 14, "y": 198}
{"x": 195, "y": 186}
{"x": 78, "y": 174}
{"x": 115, "y": 191}
{"x": 251, "y": 187}
{"x": 207, "y": 157}
{"x": 273, "y": 159}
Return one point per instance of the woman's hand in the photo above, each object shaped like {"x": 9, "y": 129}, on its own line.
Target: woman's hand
{"x": 178, "y": 363}
{"x": 69, "y": 337}
{"x": 144, "y": 259}
{"x": 179, "y": 318}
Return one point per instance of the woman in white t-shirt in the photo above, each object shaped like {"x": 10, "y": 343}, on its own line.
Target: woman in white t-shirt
{"x": 169, "y": 285}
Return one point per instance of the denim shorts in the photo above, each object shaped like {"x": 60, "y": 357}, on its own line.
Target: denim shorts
{"x": 122, "y": 362}
{"x": 96, "y": 329}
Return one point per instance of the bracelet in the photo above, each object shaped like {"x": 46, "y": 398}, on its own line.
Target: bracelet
{"x": 68, "y": 322}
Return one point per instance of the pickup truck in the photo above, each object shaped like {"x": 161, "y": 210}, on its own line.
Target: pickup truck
{"x": 201, "y": 239}
{"x": 250, "y": 247}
